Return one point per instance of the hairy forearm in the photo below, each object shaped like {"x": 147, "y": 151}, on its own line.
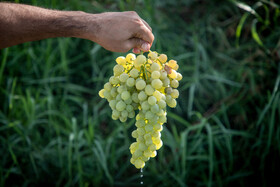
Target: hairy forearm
{"x": 23, "y": 23}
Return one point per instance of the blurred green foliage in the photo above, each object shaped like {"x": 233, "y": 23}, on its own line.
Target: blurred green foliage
{"x": 55, "y": 130}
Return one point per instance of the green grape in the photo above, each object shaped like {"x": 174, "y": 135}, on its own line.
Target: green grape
{"x": 166, "y": 82}
{"x": 128, "y": 101}
{"x": 152, "y": 55}
{"x": 134, "y": 73}
{"x": 149, "y": 90}
{"x": 174, "y": 83}
{"x": 129, "y": 108}
{"x": 172, "y": 103}
{"x": 155, "y": 108}
{"x": 124, "y": 77}
{"x": 135, "y": 97}
{"x": 155, "y": 67}
{"x": 175, "y": 93}
{"x": 114, "y": 80}
{"x": 125, "y": 95}
{"x": 179, "y": 76}
{"x": 121, "y": 89}
{"x": 114, "y": 92}
{"x": 113, "y": 104}
{"x": 141, "y": 84}
{"x": 130, "y": 82}
{"x": 157, "y": 84}
{"x": 120, "y": 106}
{"x": 140, "y": 60}
{"x": 145, "y": 105}
{"x": 142, "y": 96}
{"x": 108, "y": 86}
{"x": 141, "y": 131}
{"x": 162, "y": 103}
{"x": 155, "y": 75}
{"x": 131, "y": 114}
{"x": 149, "y": 115}
{"x": 157, "y": 95}
{"x": 148, "y": 128}
{"x": 116, "y": 113}
{"x": 152, "y": 100}
{"x": 118, "y": 69}
{"x": 101, "y": 93}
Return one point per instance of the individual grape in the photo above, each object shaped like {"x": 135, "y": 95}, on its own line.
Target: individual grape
{"x": 129, "y": 108}
{"x": 162, "y": 58}
{"x": 125, "y": 95}
{"x": 152, "y": 100}
{"x": 113, "y": 104}
{"x": 179, "y": 76}
{"x": 141, "y": 84}
{"x": 108, "y": 86}
{"x": 124, "y": 77}
{"x": 130, "y": 57}
{"x": 142, "y": 96}
{"x": 135, "y": 97}
{"x": 140, "y": 60}
{"x": 157, "y": 95}
{"x": 131, "y": 114}
{"x": 172, "y": 63}
{"x": 114, "y": 80}
{"x": 171, "y": 103}
{"x": 101, "y": 93}
{"x": 155, "y": 108}
{"x": 121, "y": 89}
{"x": 155, "y": 67}
{"x": 152, "y": 55}
{"x": 166, "y": 82}
{"x": 175, "y": 93}
{"x": 174, "y": 83}
{"x": 139, "y": 164}
{"x": 149, "y": 115}
{"x": 157, "y": 84}
{"x": 149, "y": 90}
{"x": 145, "y": 105}
{"x": 163, "y": 74}
{"x": 176, "y": 67}
{"x": 128, "y": 101}
{"x": 155, "y": 75}
{"x": 120, "y": 106}
{"x": 116, "y": 113}
{"x": 124, "y": 113}
{"x": 134, "y": 134}
{"x": 173, "y": 74}
{"x": 121, "y": 60}
{"x": 134, "y": 73}
{"x": 118, "y": 69}
{"x": 114, "y": 92}
{"x": 161, "y": 103}
{"x": 130, "y": 82}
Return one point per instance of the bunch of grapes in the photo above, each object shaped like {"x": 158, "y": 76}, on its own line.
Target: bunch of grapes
{"x": 147, "y": 85}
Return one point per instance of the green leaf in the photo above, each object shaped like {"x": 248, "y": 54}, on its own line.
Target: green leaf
{"x": 254, "y": 32}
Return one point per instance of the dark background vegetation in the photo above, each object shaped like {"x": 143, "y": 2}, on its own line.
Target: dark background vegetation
{"x": 54, "y": 128}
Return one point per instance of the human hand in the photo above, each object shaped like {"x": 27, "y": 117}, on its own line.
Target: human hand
{"x": 121, "y": 31}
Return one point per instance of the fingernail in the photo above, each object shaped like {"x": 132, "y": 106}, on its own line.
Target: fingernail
{"x": 145, "y": 46}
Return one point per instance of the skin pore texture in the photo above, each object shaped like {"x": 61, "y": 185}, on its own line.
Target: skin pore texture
{"x": 115, "y": 31}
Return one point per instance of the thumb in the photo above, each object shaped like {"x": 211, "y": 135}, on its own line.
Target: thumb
{"x": 139, "y": 44}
